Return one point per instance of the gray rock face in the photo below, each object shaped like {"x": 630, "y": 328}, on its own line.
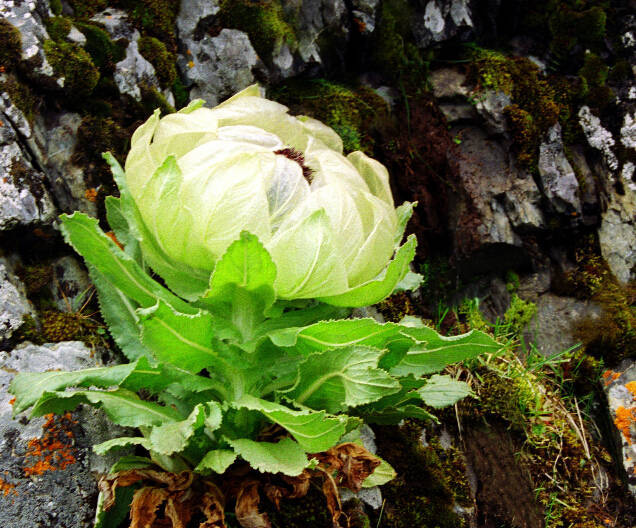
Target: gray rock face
{"x": 364, "y": 12}
{"x": 27, "y": 17}
{"x": 617, "y": 236}
{"x": 318, "y": 18}
{"x": 14, "y": 306}
{"x": 116, "y": 22}
{"x": 56, "y": 137}
{"x": 598, "y": 137}
{"x": 620, "y": 390}
{"x": 505, "y": 200}
{"x": 24, "y": 199}
{"x": 441, "y": 20}
{"x": 71, "y": 287}
{"x": 490, "y": 106}
{"x": 560, "y": 185}
{"x": 449, "y": 83}
{"x": 50, "y": 488}
{"x": 134, "y": 71}
{"x": 192, "y": 13}
{"x": 217, "y": 67}
{"x": 555, "y": 319}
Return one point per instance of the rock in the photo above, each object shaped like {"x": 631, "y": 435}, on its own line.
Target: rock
{"x": 441, "y": 20}
{"x": 134, "y": 72}
{"x": 14, "y": 305}
{"x": 617, "y": 236}
{"x": 627, "y": 176}
{"x": 364, "y": 12}
{"x": 448, "y": 83}
{"x": 588, "y": 187}
{"x": 490, "y": 106}
{"x": 192, "y": 14}
{"x": 217, "y": 67}
{"x": 558, "y": 180}
{"x": 28, "y": 17}
{"x": 116, "y": 22}
{"x": 620, "y": 390}
{"x": 555, "y": 321}
{"x": 55, "y": 139}
{"x": 459, "y": 112}
{"x": 628, "y": 131}
{"x": 76, "y": 36}
{"x": 49, "y": 488}
{"x": 501, "y": 202}
{"x": 71, "y": 287}
{"x": 598, "y": 137}
{"x": 24, "y": 200}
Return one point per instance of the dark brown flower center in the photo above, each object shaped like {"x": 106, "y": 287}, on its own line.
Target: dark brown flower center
{"x": 298, "y": 157}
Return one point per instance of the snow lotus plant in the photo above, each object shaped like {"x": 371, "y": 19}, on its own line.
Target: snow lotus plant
{"x": 240, "y": 239}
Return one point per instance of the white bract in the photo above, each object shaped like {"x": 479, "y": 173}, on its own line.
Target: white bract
{"x": 327, "y": 220}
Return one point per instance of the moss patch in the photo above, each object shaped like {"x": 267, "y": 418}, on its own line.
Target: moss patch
{"x": 72, "y": 62}
{"x": 87, "y": 8}
{"x": 262, "y": 20}
{"x": 10, "y": 45}
{"x": 104, "y": 52}
{"x": 155, "y": 52}
{"x": 58, "y": 27}
{"x": 350, "y": 111}
{"x": 20, "y": 95}
{"x": 154, "y": 17}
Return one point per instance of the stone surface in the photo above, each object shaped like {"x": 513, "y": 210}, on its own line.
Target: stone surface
{"x": 55, "y": 138}
{"x": 42, "y": 491}
{"x": 194, "y": 13}
{"x": 448, "y": 83}
{"x": 364, "y": 12}
{"x": 24, "y": 199}
{"x": 27, "y": 17}
{"x": 14, "y": 305}
{"x": 116, "y": 22}
{"x": 619, "y": 386}
{"x": 597, "y": 136}
{"x": 70, "y": 287}
{"x": 490, "y": 106}
{"x": 617, "y": 235}
{"x": 441, "y": 20}
{"x": 134, "y": 72}
{"x": 555, "y": 321}
{"x": 217, "y": 67}
{"x": 558, "y": 180}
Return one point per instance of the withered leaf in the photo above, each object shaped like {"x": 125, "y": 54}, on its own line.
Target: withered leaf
{"x": 247, "y": 501}
{"x": 212, "y": 505}
{"x": 143, "y": 509}
{"x": 330, "y": 490}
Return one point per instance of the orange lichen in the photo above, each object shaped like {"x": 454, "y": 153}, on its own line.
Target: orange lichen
{"x": 91, "y": 194}
{"x": 610, "y": 376}
{"x": 623, "y": 421}
{"x": 12, "y": 401}
{"x": 54, "y": 450}
{"x": 631, "y": 387}
{"x": 6, "y": 488}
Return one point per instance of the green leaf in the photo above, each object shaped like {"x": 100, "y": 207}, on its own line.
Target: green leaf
{"x": 119, "y": 312}
{"x": 122, "y": 406}
{"x": 173, "y": 437}
{"x": 394, "y": 415}
{"x": 342, "y": 377}
{"x": 216, "y": 461}
{"x": 181, "y": 339}
{"x": 325, "y": 335}
{"x": 120, "y": 443}
{"x": 381, "y": 287}
{"x": 185, "y": 280}
{"x": 381, "y": 475}
{"x": 314, "y": 431}
{"x": 119, "y": 269}
{"x": 28, "y": 387}
{"x": 286, "y": 457}
{"x": 411, "y": 281}
{"x": 442, "y": 391}
{"x": 404, "y": 213}
{"x": 131, "y": 462}
{"x": 119, "y": 224}
{"x": 434, "y": 352}
{"x": 242, "y": 285}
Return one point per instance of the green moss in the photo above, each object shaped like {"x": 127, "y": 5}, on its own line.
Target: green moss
{"x": 87, "y": 8}
{"x": 151, "y": 98}
{"x": 519, "y": 314}
{"x": 262, "y": 20}
{"x": 180, "y": 92}
{"x": 570, "y": 26}
{"x": 512, "y": 282}
{"x": 10, "y": 45}
{"x": 428, "y": 484}
{"x": 58, "y": 27}
{"x": 56, "y": 7}
{"x": 20, "y": 95}
{"x": 393, "y": 51}
{"x": 72, "y": 62}
{"x": 156, "y": 53}
{"x": 35, "y": 278}
{"x": 351, "y": 112}
{"x": 155, "y": 18}
{"x": 396, "y": 307}
{"x": 60, "y": 326}
{"x": 104, "y": 52}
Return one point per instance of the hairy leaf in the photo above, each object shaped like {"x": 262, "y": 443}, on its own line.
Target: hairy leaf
{"x": 286, "y": 457}
{"x": 442, "y": 391}
{"x": 216, "y": 461}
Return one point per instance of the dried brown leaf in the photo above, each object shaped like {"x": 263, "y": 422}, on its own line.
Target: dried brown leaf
{"x": 143, "y": 509}
{"x": 212, "y": 505}
{"x": 178, "y": 510}
{"x": 247, "y": 501}
{"x": 330, "y": 490}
